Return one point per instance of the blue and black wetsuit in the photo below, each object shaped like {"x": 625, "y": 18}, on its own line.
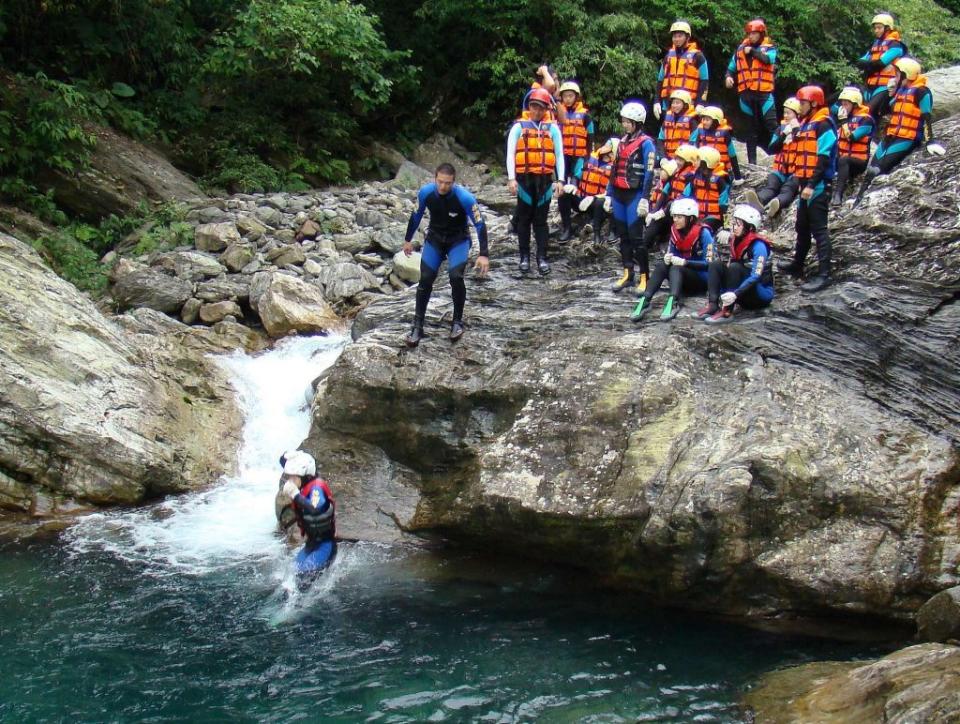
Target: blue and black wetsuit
{"x": 448, "y": 237}
{"x": 749, "y": 274}
{"x": 697, "y": 247}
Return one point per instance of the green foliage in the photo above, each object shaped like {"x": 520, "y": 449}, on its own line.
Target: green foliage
{"x": 68, "y": 254}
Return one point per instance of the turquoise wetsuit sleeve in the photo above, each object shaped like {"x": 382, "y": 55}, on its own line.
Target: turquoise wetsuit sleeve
{"x": 578, "y": 167}
{"x": 558, "y": 143}
{"x": 469, "y": 204}
{"x": 417, "y": 216}
{"x": 725, "y": 194}
{"x": 891, "y": 55}
{"x": 512, "y": 139}
{"x": 772, "y": 55}
{"x": 694, "y": 136}
{"x": 862, "y": 131}
{"x": 761, "y": 257}
{"x": 732, "y": 66}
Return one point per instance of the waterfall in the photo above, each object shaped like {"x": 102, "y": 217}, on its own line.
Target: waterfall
{"x": 232, "y": 522}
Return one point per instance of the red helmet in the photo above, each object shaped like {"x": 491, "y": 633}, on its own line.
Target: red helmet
{"x": 540, "y": 95}
{"x": 813, "y": 94}
{"x": 757, "y": 25}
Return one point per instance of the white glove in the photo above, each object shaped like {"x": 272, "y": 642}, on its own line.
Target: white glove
{"x": 657, "y": 110}
{"x": 649, "y": 220}
{"x": 679, "y": 260}
{"x": 607, "y": 204}
{"x": 892, "y": 85}
{"x": 290, "y": 489}
{"x": 728, "y": 298}
{"x": 668, "y": 258}
{"x": 935, "y": 149}
{"x": 788, "y": 138}
{"x": 643, "y": 208}
{"x": 723, "y": 237}
{"x": 569, "y": 189}
{"x": 738, "y": 182}
{"x": 656, "y": 215}
{"x": 794, "y": 124}
{"x": 586, "y": 202}
{"x": 842, "y": 114}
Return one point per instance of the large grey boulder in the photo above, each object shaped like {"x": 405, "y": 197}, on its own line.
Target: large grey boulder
{"x": 216, "y": 237}
{"x": 939, "y": 618}
{"x": 151, "y": 288}
{"x": 917, "y": 684}
{"x": 944, "y": 83}
{"x": 345, "y": 280}
{"x": 407, "y": 267}
{"x": 801, "y": 461}
{"x": 286, "y": 304}
{"x": 93, "y": 414}
{"x": 189, "y": 265}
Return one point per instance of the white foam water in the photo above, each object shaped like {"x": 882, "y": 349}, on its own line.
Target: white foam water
{"x": 233, "y": 522}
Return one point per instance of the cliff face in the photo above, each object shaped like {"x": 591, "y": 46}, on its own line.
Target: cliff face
{"x": 93, "y": 411}
{"x": 803, "y": 460}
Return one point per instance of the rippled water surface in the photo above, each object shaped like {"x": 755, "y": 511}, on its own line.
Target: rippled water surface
{"x": 188, "y": 611}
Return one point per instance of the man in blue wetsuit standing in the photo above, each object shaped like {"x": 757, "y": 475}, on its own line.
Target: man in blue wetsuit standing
{"x": 451, "y": 206}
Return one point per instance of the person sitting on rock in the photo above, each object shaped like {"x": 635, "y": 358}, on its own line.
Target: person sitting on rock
{"x": 535, "y": 169}
{"x": 856, "y": 127}
{"x": 716, "y": 132}
{"x": 710, "y": 187}
{"x": 677, "y": 124}
{"x": 782, "y": 186}
{"x": 748, "y": 279}
{"x": 628, "y": 193}
{"x": 815, "y": 165}
{"x": 664, "y": 193}
{"x": 448, "y": 237}
{"x": 685, "y": 264}
{"x": 910, "y": 123}
{"x": 593, "y": 184}
{"x": 877, "y": 64}
{"x": 577, "y": 131}
{"x": 312, "y": 500}
{"x": 753, "y": 70}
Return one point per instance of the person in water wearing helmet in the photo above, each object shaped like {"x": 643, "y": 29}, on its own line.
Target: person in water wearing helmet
{"x": 628, "y": 193}
{"x": 686, "y": 262}
{"x": 535, "y": 169}
{"x": 748, "y": 279}
{"x": 576, "y": 127}
{"x": 451, "y": 206}
{"x": 910, "y": 125}
{"x": 312, "y": 500}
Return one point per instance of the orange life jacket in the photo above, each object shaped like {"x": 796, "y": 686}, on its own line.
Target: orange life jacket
{"x": 806, "y": 140}
{"x": 879, "y": 47}
{"x": 678, "y": 184}
{"x": 680, "y": 72}
{"x": 676, "y": 130}
{"x": 906, "y": 118}
{"x": 707, "y": 193}
{"x": 785, "y": 161}
{"x": 596, "y": 176}
{"x": 752, "y": 75}
{"x": 535, "y": 152}
{"x": 718, "y": 138}
{"x": 574, "y": 130}
{"x": 859, "y": 148}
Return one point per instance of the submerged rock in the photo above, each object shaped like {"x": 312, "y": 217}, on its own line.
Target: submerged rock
{"x": 95, "y": 413}
{"x": 918, "y": 684}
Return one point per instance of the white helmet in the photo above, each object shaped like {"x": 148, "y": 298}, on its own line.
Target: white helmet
{"x": 634, "y": 111}
{"x": 747, "y": 214}
{"x": 684, "y": 207}
{"x": 301, "y": 464}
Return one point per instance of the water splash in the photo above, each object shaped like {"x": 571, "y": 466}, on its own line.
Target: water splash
{"x": 232, "y": 523}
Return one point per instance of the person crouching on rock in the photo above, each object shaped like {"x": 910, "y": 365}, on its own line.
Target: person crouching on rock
{"x": 748, "y": 279}
{"x": 688, "y": 256}
{"x": 593, "y": 183}
{"x": 451, "y": 207}
{"x": 312, "y": 500}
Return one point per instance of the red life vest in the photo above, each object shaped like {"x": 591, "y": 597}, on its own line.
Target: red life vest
{"x": 625, "y": 150}
{"x": 320, "y": 524}
{"x": 906, "y": 118}
{"x": 752, "y": 75}
{"x": 806, "y": 141}
{"x": 739, "y": 248}
{"x": 535, "y": 153}
{"x": 718, "y": 138}
{"x": 859, "y": 148}
{"x": 676, "y": 130}
{"x": 680, "y": 71}
{"x": 877, "y": 50}
{"x": 574, "y": 130}
{"x": 596, "y": 176}
{"x": 685, "y": 244}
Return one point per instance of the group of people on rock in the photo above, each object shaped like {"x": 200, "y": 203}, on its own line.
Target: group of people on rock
{"x": 670, "y": 194}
